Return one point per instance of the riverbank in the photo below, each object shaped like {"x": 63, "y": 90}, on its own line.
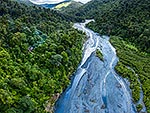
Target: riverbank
{"x": 131, "y": 57}
{"x": 96, "y": 87}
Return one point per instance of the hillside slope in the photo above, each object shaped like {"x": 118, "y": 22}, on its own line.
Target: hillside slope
{"x": 39, "y": 50}
{"x": 129, "y": 20}
{"x": 27, "y": 2}
{"x": 73, "y": 6}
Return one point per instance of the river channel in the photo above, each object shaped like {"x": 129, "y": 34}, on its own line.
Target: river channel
{"x": 96, "y": 87}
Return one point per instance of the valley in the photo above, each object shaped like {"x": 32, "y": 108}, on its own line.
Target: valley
{"x": 52, "y": 60}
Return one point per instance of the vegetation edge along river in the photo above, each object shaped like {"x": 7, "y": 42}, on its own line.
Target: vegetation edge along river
{"x": 96, "y": 87}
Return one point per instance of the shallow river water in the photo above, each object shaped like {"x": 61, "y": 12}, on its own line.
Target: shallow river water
{"x": 96, "y": 87}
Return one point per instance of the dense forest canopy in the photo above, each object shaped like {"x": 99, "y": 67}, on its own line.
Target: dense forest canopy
{"x": 39, "y": 50}
{"x": 126, "y": 18}
{"x": 130, "y": 20}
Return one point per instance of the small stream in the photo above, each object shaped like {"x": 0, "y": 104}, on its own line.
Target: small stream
{"x": 96, "y": 87}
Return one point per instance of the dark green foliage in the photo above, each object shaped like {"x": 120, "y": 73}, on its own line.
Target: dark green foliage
{"x": 125, "y": 18}
{"x": 88, "y": 10}
{"x": 139, "y": 107}
{"x": 99, "y": 54}
{"x": 39, "y": 50}
{"x": 130, "y": 56}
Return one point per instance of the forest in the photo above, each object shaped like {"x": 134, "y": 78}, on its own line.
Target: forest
{"x": 39, "y": 50}
{"x": 125, "y": 18}
{"x": 129, "y": 19}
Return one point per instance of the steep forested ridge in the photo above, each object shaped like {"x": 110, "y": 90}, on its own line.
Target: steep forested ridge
{"x": 91, "y": 9}
{"x": 126, "y": 18}
{"x": 128, "y": 23}
{"x": 39, "y": 49}
{"x": 130, "y": 20}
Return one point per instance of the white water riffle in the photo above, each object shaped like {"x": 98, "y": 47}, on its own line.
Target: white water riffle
{"x": 96, "y": 87}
